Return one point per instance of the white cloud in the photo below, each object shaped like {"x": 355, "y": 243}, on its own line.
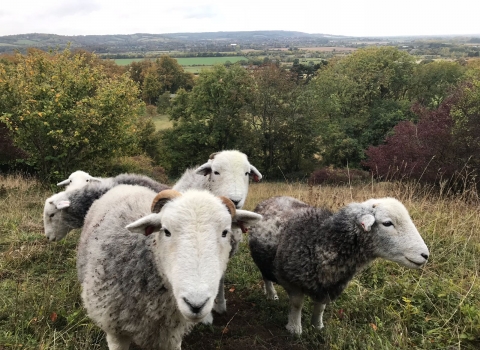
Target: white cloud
{"x": 344, "y": 17}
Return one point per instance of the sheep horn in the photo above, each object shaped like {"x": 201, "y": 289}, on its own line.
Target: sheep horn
{"x": 229, "y": 204}
{"x": 162, "y": 198}
{"x": 213, "y": 155}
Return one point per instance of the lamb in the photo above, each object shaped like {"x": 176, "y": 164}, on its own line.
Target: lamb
{"x": 66, "y": 210}
{"x": 77, "y": 180}
{"x": 148, "y": 278}
{"x": 226, "y": 174}
{"x": 316, "y": 252}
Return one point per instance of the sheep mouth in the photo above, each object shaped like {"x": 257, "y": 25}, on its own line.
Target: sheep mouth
{"x": 415, "y": 263}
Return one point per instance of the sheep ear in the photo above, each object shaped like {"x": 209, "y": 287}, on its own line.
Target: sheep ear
{"x": 257, "y": 176}
{"x": 244, "y": 219}
{"x": 62, "y": 204}
{"x": 94, "y": 179}
{"x": 146, "y": 225}
{"x": 367, "y": 222}
{"x": 64, "y": 182}
{"x": 204, "y": 169}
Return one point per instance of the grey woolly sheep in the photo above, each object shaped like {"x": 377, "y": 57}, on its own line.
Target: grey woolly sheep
{"x": 66, "y": 210}
{"x": 312, "y": 251}
{"x": 150, "y": 289}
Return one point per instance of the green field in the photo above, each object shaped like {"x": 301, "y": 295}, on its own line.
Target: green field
{"x": 161, "y": 122}
{"x": 189, "y": 61}
{"x": 386, "y": 306}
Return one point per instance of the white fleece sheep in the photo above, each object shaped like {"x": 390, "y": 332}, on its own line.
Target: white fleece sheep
{"x": 311, "y": 251}
{"x": 77, "y": 180}
{"x": 227, "y": 174}
{"x": 150, "y": 289}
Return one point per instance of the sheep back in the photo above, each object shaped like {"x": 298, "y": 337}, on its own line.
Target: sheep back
{"x": 140, "y": 180}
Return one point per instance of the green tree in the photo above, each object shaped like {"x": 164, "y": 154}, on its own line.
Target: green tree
{"x": 433, "y": 81}
{"x": 209, "y": 118}
{"x": 67, "y": 114}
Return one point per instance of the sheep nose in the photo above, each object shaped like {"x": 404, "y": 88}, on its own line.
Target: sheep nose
{"x": 235, "y": 202}
{"x": 195, "y": 308}
{"x": 425, "y": 256}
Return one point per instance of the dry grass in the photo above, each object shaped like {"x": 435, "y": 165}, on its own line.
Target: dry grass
{"x": 385, "y": 307}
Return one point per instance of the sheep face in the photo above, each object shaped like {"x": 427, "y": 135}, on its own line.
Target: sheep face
{"x": 191, "y": 248}
{"x": 229, "y": 173}
{"x": 395, "y": 235}
{"x": 53, "y": 223}
{"x": 78, "y": 179}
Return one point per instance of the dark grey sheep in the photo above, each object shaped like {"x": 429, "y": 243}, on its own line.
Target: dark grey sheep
{"x": 312, "y": 251}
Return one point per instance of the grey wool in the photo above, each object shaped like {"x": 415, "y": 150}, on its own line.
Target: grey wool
{"x": 65, "y": 211}
{"x": 312, "y": 251}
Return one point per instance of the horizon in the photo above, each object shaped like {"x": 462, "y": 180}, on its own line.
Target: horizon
{"x": 370, "y": 18}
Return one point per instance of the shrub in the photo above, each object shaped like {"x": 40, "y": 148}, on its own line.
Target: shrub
{"x": 137, "y": 164}
{"x": 334, "y": 176}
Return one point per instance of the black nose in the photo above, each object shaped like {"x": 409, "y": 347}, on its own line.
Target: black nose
{"x": 425, "y": 256}
{"x": 235, "y": 202}
{"x": 195, "y": 308}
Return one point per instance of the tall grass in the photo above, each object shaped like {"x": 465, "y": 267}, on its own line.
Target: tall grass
{"x": 384, "y": 307}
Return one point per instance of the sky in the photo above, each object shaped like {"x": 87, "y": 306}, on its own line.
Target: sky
{"x": 339, "y": 17}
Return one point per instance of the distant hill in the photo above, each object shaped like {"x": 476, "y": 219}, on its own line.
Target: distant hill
{"x": 162, "y": 42}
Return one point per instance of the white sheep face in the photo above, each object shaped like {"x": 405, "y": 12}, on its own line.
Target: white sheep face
{"x": 77, "y": 180}
{"x": 396, "y": 236}
{"x": 191, "y": 247}
{"x": 54, "y": 225}
{"x": 229, "y": 173}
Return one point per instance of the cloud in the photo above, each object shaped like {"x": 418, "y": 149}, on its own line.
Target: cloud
{"x": 73, "y": 8}
{"x": 200, "y": 12}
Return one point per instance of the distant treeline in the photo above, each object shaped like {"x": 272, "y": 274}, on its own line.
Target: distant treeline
{"x": 376, "y": 110}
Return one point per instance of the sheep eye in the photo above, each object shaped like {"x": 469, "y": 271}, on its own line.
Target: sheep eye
{"x": 224, "y": 233}
{"x": 388, "y": 223}
{"x": 51, "y": 215}
{"x": 167, "y": 233}
{"x": 216, "y": 173}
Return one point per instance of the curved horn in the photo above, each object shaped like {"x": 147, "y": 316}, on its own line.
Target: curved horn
{"x": 229, "y": 204}
{"x": 162, "y": 198}
{"x": 213, "y": 155}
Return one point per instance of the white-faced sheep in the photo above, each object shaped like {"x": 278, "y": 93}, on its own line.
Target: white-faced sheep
{"x": 150, "y": 289}
{"x": 311, "y": 251}
{"x": 77, "y": 180}
{"x": 65, "y": 211}
{"x": 227, "y": 174}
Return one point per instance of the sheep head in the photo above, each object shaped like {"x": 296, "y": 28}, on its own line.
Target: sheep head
{"x": 229, "y": 173}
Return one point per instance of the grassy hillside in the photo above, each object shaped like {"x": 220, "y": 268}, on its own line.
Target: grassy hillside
{"x": 385, "y": 307}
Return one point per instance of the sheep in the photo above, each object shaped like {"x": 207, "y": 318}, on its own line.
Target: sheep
{"x": 148, "y": 278}
{"x": 226, "y": 173}
{"x": 66, "y": 210}
{"x": 77, "y": 180}
{"x": 316, "y": 252}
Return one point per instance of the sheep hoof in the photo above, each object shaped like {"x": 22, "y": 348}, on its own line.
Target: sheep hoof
{"x": 272, "y": 297}
{"x": 295, "y": 329}
{"x": 220, "y": 307}
{"x": 318, "y": 326}
{"x": 208, "y": 320}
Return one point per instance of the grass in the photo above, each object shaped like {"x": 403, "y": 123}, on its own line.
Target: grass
{"x": 384, "y": 307}
{"x": 162, "y": 122}
{"x": 188, "y": 61}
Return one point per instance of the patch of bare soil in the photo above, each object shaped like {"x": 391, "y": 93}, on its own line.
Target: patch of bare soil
{"x": 241, "y": 327}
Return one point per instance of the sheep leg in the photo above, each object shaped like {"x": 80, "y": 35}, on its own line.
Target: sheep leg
{"x": 116, "y": 342}
{"x": 294, "y": 325}
{"x": 317, "y": 316}
{"x": 269, "y": 290}
{"x": 220, "y": 305}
